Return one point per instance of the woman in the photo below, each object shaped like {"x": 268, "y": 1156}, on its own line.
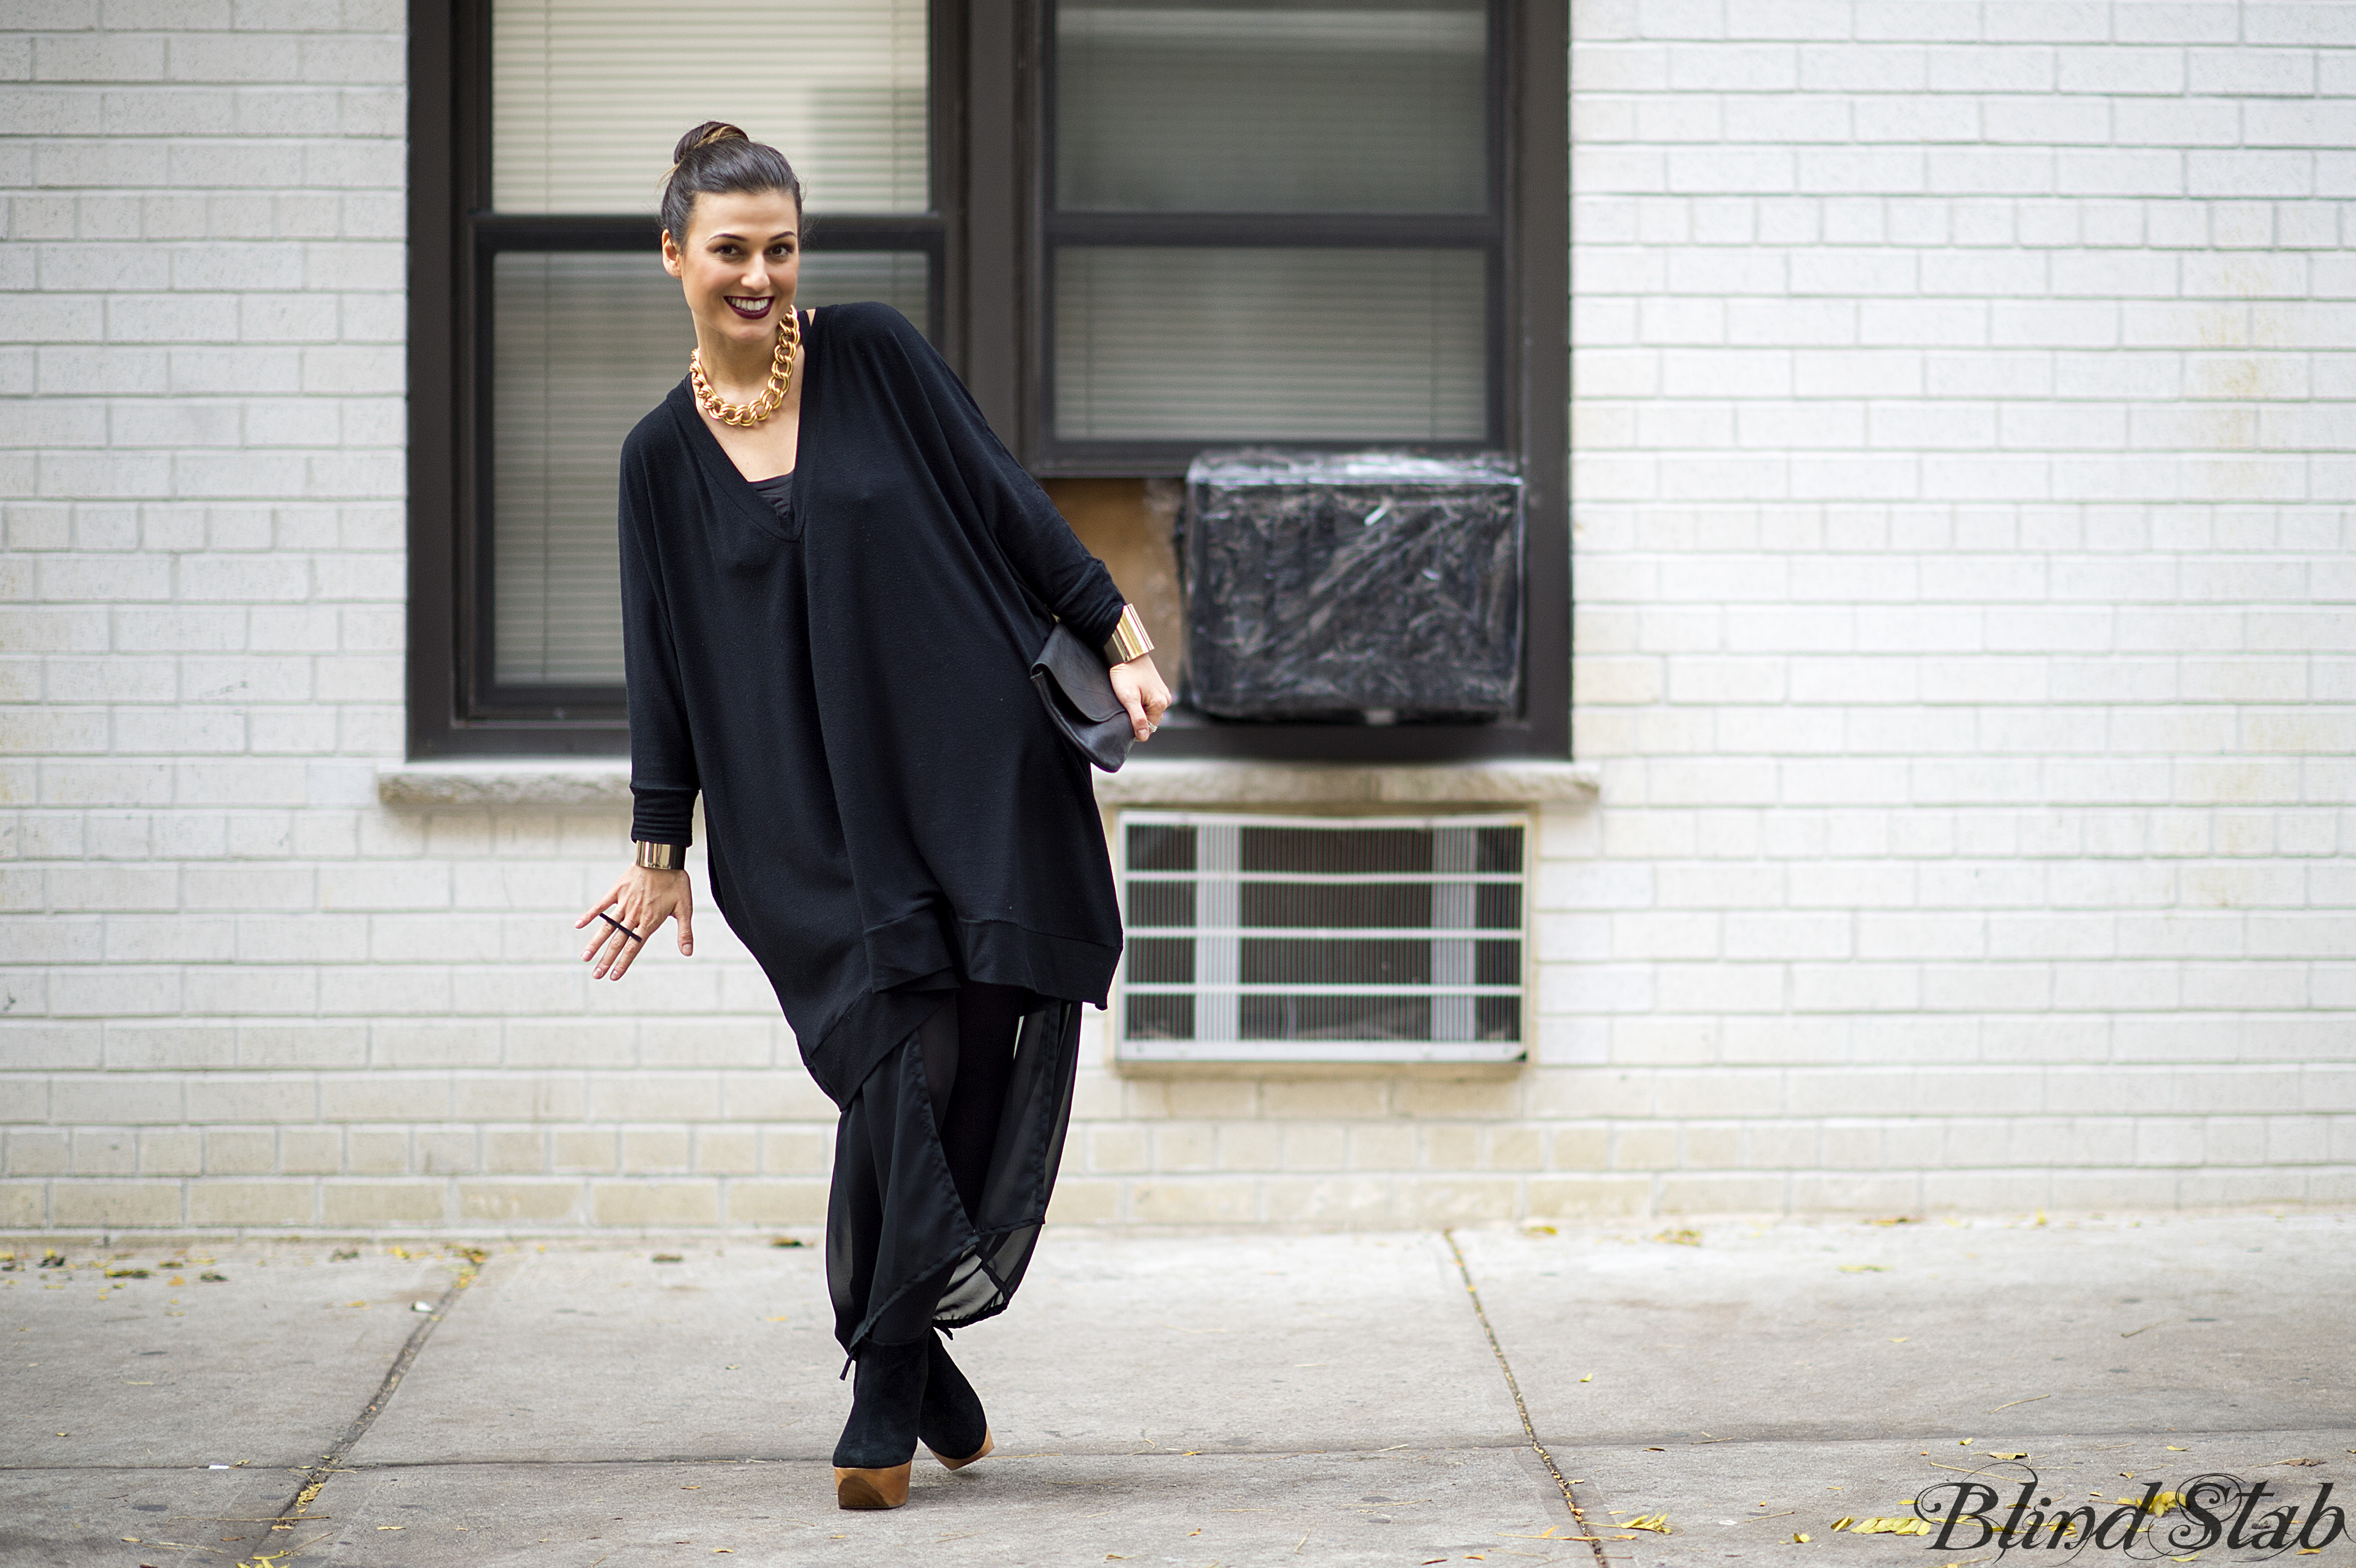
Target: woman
{"x": 836, "y": 653}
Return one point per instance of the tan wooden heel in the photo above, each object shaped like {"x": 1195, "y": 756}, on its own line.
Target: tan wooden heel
{"x": 988, "y": 1442}
{"x": 873, "y": 1488}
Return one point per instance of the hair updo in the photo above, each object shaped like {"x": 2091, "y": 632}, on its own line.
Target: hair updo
{"x": 716, "y": 159}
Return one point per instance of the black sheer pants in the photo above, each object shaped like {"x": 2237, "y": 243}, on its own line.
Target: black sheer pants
{"x": 969, "y": 1061}
{"x": 945, "y": 1162}
{"x": 968, "y": 1054}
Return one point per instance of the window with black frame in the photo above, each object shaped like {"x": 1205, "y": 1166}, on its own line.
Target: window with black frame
{"x": 579, "y": 331}
{"x": 1272, "y": 223}
{"x": 1139, "y": 229}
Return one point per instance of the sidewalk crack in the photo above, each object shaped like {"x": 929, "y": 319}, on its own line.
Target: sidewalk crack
{"x": 1514, "y": 1387}
{"x": 332, "y": 1462}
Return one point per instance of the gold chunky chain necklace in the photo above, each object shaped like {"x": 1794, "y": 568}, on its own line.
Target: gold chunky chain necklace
{"x": 773, "y": 397}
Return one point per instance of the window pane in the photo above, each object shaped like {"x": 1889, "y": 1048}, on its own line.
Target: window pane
{"x": 1238, "y": 106}
{"x": 588, "y": 97}
{"x": 1208, "y": 344}
{"x": 581, "y": 347}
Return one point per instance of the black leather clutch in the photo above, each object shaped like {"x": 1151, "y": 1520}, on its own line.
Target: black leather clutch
{"x": 1077, "y": 689}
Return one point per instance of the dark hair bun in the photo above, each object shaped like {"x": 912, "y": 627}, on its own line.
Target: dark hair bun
{"x": 717, "y": 158}
{"x": 705, "y": 135}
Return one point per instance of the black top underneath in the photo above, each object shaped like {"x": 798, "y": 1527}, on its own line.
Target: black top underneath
{"x": 778, "y": 491}
{"x": 847, "y": 683}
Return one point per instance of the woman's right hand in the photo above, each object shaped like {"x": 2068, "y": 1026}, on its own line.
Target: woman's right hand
{"x": 641, "y": 900}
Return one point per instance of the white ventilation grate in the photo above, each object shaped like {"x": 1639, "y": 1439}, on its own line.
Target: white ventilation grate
{"x": 1321, "y": 939}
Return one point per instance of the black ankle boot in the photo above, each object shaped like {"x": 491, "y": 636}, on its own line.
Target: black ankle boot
{"x": 871, "y": 1461}
{"x": 954, "y": 1426}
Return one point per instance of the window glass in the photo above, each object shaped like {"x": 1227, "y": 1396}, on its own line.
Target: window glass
{"x": 1235, "y": 106}
{"x": 582, "y": 344}
{"x": 1212, "y": 342}
{"x": 588, "y": 97}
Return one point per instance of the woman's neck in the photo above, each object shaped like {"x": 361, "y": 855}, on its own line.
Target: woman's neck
{"x": 735, "y": 367}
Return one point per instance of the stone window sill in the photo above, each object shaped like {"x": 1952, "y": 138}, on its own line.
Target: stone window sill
{"x": 1210, "y": 783}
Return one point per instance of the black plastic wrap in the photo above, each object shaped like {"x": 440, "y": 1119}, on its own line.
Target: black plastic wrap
{"x": 1324, "y": 584}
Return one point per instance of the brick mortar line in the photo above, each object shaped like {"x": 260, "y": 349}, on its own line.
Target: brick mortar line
{"x": 315, "y": 1476}
{"x": 1514, "y": 1387}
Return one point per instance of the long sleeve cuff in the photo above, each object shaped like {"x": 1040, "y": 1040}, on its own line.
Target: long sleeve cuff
{"x": 662, "y": 816}
{"x": 1095, "y": 610}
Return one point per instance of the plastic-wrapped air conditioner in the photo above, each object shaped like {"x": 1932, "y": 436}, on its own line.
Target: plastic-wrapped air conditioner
{"x": 1332, "y": 584}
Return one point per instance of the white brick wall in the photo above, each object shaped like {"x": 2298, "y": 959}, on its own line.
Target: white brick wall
{"x": 1966, "y": 443}
{"x": 1964, "y": 450}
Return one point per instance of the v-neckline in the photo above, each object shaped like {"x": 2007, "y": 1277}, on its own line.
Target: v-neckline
{"x": 715, "y": 456}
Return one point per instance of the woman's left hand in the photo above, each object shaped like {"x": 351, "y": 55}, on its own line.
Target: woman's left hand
{"x": 1143, "y": 692}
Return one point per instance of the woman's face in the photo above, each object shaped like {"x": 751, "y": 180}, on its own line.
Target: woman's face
{"x": 739, "y": 265}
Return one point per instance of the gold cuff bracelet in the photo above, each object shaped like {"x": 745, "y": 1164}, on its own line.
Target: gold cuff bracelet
{"x": 661, "y": 856}
{"x": 1128, "y": 640}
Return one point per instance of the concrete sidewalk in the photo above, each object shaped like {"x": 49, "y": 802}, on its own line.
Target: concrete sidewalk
{"x": 1194, "y": 1400}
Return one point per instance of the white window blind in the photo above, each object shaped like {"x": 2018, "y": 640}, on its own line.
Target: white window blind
{"x": 587, "y": 99}
{"x": 589, "y": 96}
{"x": 1216, "y": 342}
{"x": 582, "y": 344}
{"x": 1250, "y": 107}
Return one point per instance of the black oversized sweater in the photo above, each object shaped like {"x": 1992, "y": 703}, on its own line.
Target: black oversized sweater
{"x": 889, "y": 807}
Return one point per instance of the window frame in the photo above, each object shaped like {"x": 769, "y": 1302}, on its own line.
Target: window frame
{"x": 1486, "y": 231}
{"x": 988, "y": 235}
{"x": 457, "y": 704}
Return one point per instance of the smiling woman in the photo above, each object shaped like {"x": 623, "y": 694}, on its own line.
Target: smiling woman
{"x": 834, "y": 581}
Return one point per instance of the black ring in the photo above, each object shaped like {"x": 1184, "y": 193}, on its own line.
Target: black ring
{"x": 624, "y": 929}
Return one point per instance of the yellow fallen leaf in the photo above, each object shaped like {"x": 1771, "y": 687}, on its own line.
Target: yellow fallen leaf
{"x": 1891, "y": 1527}
{"x": 1588, "y": 1378}
{"x": 2008, "y": 1455}
{"x": 1658, "y": 1523}
{"x": 356, "y": 1304}
{"x": 1965, "y": 1442}
{"x": 1680, "y": 1238}
{"x": 1841, "y": 1523}
{"x": 1800, "y": 1540}
{"x": 392, "y": 1527}
{"x": 1899, "y": 1341}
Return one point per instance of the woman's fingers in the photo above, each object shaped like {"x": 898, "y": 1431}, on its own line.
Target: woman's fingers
{"x": 626, "y": 957}
{"x": 628, "y": 917}
{"x": 600, "y": 907}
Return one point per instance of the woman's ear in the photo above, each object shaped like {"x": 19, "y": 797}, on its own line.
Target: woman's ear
{"x": 670, "y": 254}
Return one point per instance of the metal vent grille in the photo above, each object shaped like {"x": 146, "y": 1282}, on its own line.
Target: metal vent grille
{"x": 1321, "y": 939}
